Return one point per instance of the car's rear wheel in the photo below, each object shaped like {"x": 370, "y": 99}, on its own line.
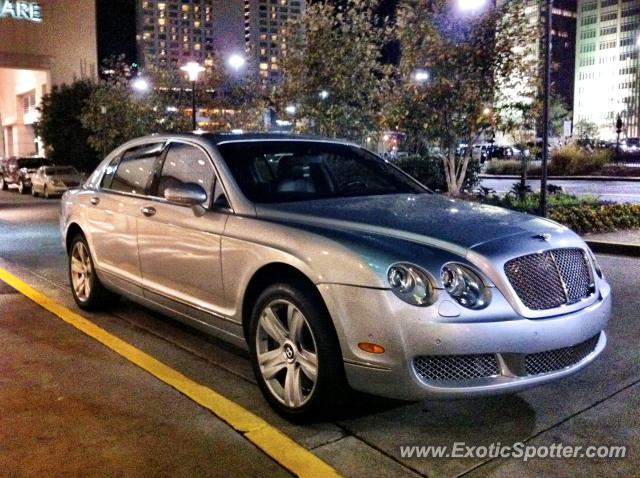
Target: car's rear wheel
{"x": 45, "y": 192}
{"x": 34, "y": 193}
{"x": 295, "y": 353}
{"x": 87, "y": 290}
{"x": 3, "y": 184}
{"x": 22, "y": 189}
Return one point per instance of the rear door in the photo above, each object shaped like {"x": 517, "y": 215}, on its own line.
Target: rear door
{"x": 113, "y": 210}
{"x": 179, "y": 250}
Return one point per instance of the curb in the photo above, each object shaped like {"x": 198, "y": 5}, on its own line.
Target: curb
{"x": 616, "y": 248}
{"x": 563, "y": 178}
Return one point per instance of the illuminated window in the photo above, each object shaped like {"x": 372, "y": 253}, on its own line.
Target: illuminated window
{"x": 185, "y": 8}
{"x": 264, "y": 66}
{"x": 197, "y": 46}
{"x": 161, "y": 6}
{"x": 161, "y": 21}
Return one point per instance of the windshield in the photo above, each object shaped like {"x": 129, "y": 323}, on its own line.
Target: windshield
{"x": 30, "y": 163}
{"x": 60, "y": 171}
{"x": 282, "y": 171}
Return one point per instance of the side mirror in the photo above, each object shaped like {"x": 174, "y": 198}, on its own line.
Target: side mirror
{"x": 189, "y": 194}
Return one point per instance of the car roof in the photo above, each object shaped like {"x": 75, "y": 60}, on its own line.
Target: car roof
{"x": 220, "y": 138}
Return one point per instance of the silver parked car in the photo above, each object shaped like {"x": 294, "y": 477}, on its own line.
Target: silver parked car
{"x": 334, "y": 267}
{"x": 54, "y": 180}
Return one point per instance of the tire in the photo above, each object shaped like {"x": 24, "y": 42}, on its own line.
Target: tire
{"x": 3, "y": 184}
{"x": 33, "y": 192}
{"x": 300, "y": 334}
{"x": 45, "y": 192}
{"x": 22, "y": 189}
{"x": 87, "y": 290}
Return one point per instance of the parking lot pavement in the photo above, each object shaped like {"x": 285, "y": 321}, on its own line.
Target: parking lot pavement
{"x": 71, "y": 407}
{"x": 596, "y": 407}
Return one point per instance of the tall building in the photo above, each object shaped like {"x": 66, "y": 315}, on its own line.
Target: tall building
{"x": 563, "y": 40}
{"x": 42, "y": 44}
{"x": 607, "y": 67}
{"x": 173, "y": 32}
{"x": 264, "y": 28}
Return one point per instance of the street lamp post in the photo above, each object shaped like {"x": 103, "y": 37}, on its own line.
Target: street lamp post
{"x": 545, "y": 108}
{"x": 193, "y": 70}
{"x": 618, "y": 131}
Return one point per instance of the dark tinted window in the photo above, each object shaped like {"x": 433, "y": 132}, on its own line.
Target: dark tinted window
{"x": 30, "y": 163}
{"x": 136, "y": 171}
{"x": 186, "y": 164}
{"x": 280, "y": 171}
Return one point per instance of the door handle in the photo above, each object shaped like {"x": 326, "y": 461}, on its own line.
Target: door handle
{"x": 148, "y": 211}
{"x": 95, "y": 200}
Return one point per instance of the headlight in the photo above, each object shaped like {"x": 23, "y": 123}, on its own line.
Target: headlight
{"x": 465, "y": 286}
{"x": 411, "y": 284}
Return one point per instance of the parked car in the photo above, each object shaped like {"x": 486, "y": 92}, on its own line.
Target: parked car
{"x": 503, "y": 152}
{"x": 334, "y": 267}
{"x": 54, "y": 180}
{"x": 18, "y": 171}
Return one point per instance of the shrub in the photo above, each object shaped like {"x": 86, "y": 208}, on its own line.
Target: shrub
{"x": 571, "y": 161}
{"x": 597, "y": 218}
{"x": 510, "y": 166}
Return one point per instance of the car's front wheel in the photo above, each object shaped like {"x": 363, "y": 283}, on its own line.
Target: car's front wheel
{"x": 295, "y": 353}
{"x": 88, "y": 291}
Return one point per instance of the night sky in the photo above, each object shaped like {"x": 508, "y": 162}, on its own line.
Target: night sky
{"x": 117, "y": 29}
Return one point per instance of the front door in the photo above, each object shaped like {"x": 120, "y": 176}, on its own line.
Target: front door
{"x": 179, "y": 250}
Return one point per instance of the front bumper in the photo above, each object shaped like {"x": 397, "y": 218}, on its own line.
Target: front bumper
{"x": 406, "y": 333}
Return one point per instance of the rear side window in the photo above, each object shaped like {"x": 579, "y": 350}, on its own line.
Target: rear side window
{"x": 186, "y": 164}
{"x": 136, "y": 171}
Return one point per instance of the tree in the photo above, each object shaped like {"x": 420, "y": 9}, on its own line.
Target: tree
{"x": 334, "y": 74}
{"x": 115, "y": 114}
{"x": 61, "y": 128}
{"x": 586, "y": 132}
{"x": 469, "y": 63}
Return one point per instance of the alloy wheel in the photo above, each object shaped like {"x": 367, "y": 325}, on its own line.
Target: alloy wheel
{"x": 81, "y": 271}
{"x": 287, "y": 353}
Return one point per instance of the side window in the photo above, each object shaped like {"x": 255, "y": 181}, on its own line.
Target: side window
{"x": 109, "y": 173}
{"x": 186, "y": 164}
{"x": 136, "y": 171}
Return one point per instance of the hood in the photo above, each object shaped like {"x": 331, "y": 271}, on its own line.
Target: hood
{"x": 437, "y": 220}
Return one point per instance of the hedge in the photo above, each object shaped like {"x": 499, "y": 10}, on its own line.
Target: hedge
{"x": 598, "y": 218}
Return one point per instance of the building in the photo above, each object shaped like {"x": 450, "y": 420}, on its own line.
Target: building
{"x": 563, "y": 41}
{"x": 607, "y": 67}
{"x": 42, "y": 44}
{"x": 265, "y": 23}
{"x": 173, "y": 32}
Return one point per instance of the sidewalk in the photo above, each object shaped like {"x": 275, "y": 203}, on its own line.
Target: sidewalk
{"x": 622, "y": 242}
{"x": 71, "y": 407}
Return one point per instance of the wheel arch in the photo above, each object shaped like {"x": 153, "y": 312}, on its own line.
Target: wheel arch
{"x": 265, "y": 276}
{"x": 72, "y": 231}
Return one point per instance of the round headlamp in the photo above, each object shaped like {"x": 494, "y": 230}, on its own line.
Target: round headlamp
{"x": 465, "y": 286}
{"x": 411, "y": 284}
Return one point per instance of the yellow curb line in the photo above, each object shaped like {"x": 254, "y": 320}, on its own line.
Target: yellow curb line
{"x": 292, "y": 456}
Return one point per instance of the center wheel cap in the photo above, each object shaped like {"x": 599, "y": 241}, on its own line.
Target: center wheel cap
{"x": 289, "y": 353}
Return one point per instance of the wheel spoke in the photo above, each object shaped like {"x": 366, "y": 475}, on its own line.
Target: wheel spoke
{"x": 79, "y": 285}
{"x": 308, "y": 364}
{"x": 76, "y": 266}
{"x": 271, "y": 363}
{"x": 87, "y": 287}
{"x": 273, "y": 326}
{"x": 293, "y": 387}
{"x": 295, "y": 323}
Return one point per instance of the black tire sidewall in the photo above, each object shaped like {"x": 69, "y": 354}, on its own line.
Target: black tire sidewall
{"x": 330, "y": 382}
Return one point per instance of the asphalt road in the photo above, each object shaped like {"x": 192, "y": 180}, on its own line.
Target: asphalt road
{"x": 615, "y": 191}
{"x": 599, "y": 406}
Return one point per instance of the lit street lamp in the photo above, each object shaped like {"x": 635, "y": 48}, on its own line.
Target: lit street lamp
{"x": 324, "y": 94}
{"x": 236, "y": 61}
{"x": 140, "y": 84}
{"x": 420, "y": 76}
{"x": 290, "y": 109}
{"x": 193, "y": 70}
{"x": 471, "y": 5}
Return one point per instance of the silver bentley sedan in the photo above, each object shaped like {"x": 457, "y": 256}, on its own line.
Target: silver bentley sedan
{"x": 334, "y": 268}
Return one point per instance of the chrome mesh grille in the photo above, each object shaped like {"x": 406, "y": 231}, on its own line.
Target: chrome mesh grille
{"x": 553, "y": 360}
{"x": 456, "y": 367}
{"x": 551, "y": 278}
